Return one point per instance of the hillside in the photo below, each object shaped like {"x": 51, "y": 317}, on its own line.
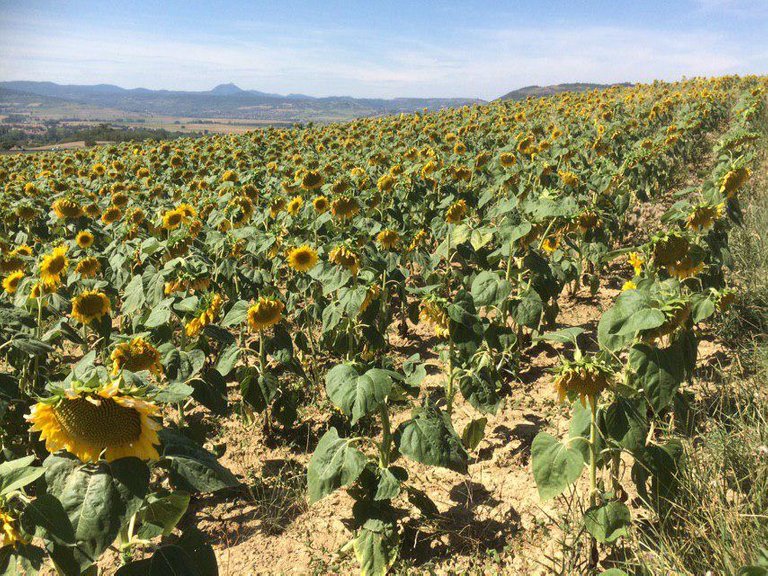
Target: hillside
{"x": 540, "y": 91}
{"x": 223, "y": 101}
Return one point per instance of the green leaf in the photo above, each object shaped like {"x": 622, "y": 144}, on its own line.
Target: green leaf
{"x": 473, "y": 433}
{"x": 192, "y": 467}
{"x": 160, "y": 315}
{"x": 335, "y": 463}
{"x": 608, "y": 522}
{"x": 625, "y": 422}
{"x": 22, "y": 560}
{"x": 236, "y": 315}
{"x": 357, "y": 395}
{"x": 15, "y": 474}
{"x": 527, "y": 309}
{"x": 46, "y": 518}
{"x": 564, "y": 336}
{"x": 228, "y": 358}
{"x": 376, "y": 547}
{"x": 133, "y": 298}
{"x": 630, "y": 313}
{"x": 428, "y": 437}
{"x": 555, "y": 465}
{"x": 490, "y": 290}
{"x": 161, "y": 513}
{"x": 657, "y": 372}
{"x": 389, "y": 482}
{"x": 98, "y": 498}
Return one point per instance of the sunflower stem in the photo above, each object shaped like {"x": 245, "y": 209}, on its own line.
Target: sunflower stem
{"x": 386, "y": 439}
{"x": 450, "y": 392}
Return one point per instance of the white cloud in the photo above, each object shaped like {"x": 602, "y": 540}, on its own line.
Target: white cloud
{"x": 476, "y": 62}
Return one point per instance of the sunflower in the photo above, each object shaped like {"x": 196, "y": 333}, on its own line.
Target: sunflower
{"x": 585, "y": 377}
{"x": 89, "y": 422}
{"x": 265, "y": 313}
{"x": 456, "y": 212}
{"x": 344, "y": 257}
{"x": 628, "y": 285}
{"x": 419, "y": 239}
{"x": 734, "y": 180}
{"x": 507, "y": 159}
{"x": 302, "y": 258}
{"x": 208, "y": 316}
{"x": 345, "y": 207}
{"x": 9, "y": 530}
{"x": 432, "y": 313}
{"x": 136, "y": 356}
{"x": 84, "y": 239}
{"x": 187, "y": 210}
{"x": 703, "y": 217}
{"x": 295, "y": 205}
{"x": 66, "y": 209}
{"x": 388, "y": 239}
{"x": 568, "y": 178}
{"x": 90, "y": 305}
{"x": 111, "y": 215}
{"x": 172, "y": 219}
{"x": 88, "y": 267}
{"x": 312, "y": 180}
{"x": 320, "y": 204}
{"x": 53, "y": 266}
{"x": 276, "y": 206}
{"x": 371, "y": 294}
{"x": 385, "y": 183}
{"x": 11, "y": 282}
{"x": 551, "y": 243}
{"x": 636, "y": 260}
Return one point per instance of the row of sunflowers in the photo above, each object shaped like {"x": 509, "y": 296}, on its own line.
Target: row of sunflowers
{"x": 240, "y": 274}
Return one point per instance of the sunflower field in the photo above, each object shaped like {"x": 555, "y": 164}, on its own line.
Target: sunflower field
{"x": 372, "y": 296}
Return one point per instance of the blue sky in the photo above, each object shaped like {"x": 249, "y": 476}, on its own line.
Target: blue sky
{"x": 371, "y": 48}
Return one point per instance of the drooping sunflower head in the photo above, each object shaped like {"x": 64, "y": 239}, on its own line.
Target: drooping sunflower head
{"x": 345, "y": 207}
{"x": 264, "y": 313}
{"x": 90, "y": 305}
{"x": 88, "y": 267}
{"x": 111, "y": 215}
{"x": 312, "y": 180}
{"x": 585, "y": 377}
{"x": 54, "y": 266}
{"x": 433, "y": 312}
{"x": 136, "y": 356}
{"x": 92, "y": 422}
{"x": 703, "y": 217}
{"x": 507, "y": 159}
{"x": 11, "y": 282}
{"x": 734, "y": 180}
{"x": 303, "y": 258}
{"x": 344, "y": 257}
{"x": 84, "y": 239}
{"x": 66, "y": 209}
{"x": 388, "y": 239}
{"x": 670, "y": 248}
{"x": 456, "y": 212}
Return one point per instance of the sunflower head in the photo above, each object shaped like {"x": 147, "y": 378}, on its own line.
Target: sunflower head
{"x": 264, "y": 313}
{"x": 172, "y": 219}
{"x": 98, "y": 420}
{"x": 320, "y": 204}
{"x": 302, "y": 259}
{"x": 10, "y": 534}
{"x": 295, "y": 205}
{"x": 54, "y": 266}
{"x": 433, "y": 312}
{"x": 84, "y": 239}
{"x": 585, "y": 377}
{"x": 111, "y": 215}
{"x": 703, "y": 217}
{"x": 344, "y": 257}
{"x": 66, "y": 209}
{"x": 136, "y": 356}
{"x": 456, "y": 212}
{"x": 345, "y": 207}
{"x": 88, "y": 267}
{"x": 11, "y": 282}
{"x": 312, "y": 180}
{"x": 388, "y": 239}
{"x": 90, "y": 305}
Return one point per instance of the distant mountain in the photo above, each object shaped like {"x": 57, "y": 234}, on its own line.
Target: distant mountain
{"x": 540, "y": 91}
{"x": 228, "y": 101}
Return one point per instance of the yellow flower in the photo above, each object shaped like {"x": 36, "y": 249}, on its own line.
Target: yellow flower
{"x": 320, "y": 204}
{"x": 88, "y": 267}
{"x": 53, "y": 266}
{"x": 90, "y": 305}
{"x": 104, "y": 421}
{"x": 9, "y": 530}
{"x": 628, "y": 285}
{"x": 568, "y": 178}
{"x": 84, "y": 239}
{"x": 344, "y": 257}
{"x": 172, "y": 219}
{"x": 111, "y": 214}
{"x": 206, "y": 317}
{"x": 11, "y": 282}
{"x": 433, "y": 314}
{"x": 302, "y": 259}
{"x": 187, "y": 210}
{"x": 372, "y": 294}
{"x": 734, "y": 180}
{"x": 312, "y": 180}
{"x": 585, "y": 379}
{"x": 136, "y": 356}
{"x": 385, "y": 183}
{"x": 64, "y": 208}
{"x": 507, "y": 159}
{"x": 345, "y": 207}
{"x": 264, "y": 313}
{"x": 388, "y": 239}
{"x": 456, "y": 212}
{"x": 636, "y": 260}
{"x": 703, "y": 217}
{"x": 295, "y": 205}
{"x": 551, "y": 244}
